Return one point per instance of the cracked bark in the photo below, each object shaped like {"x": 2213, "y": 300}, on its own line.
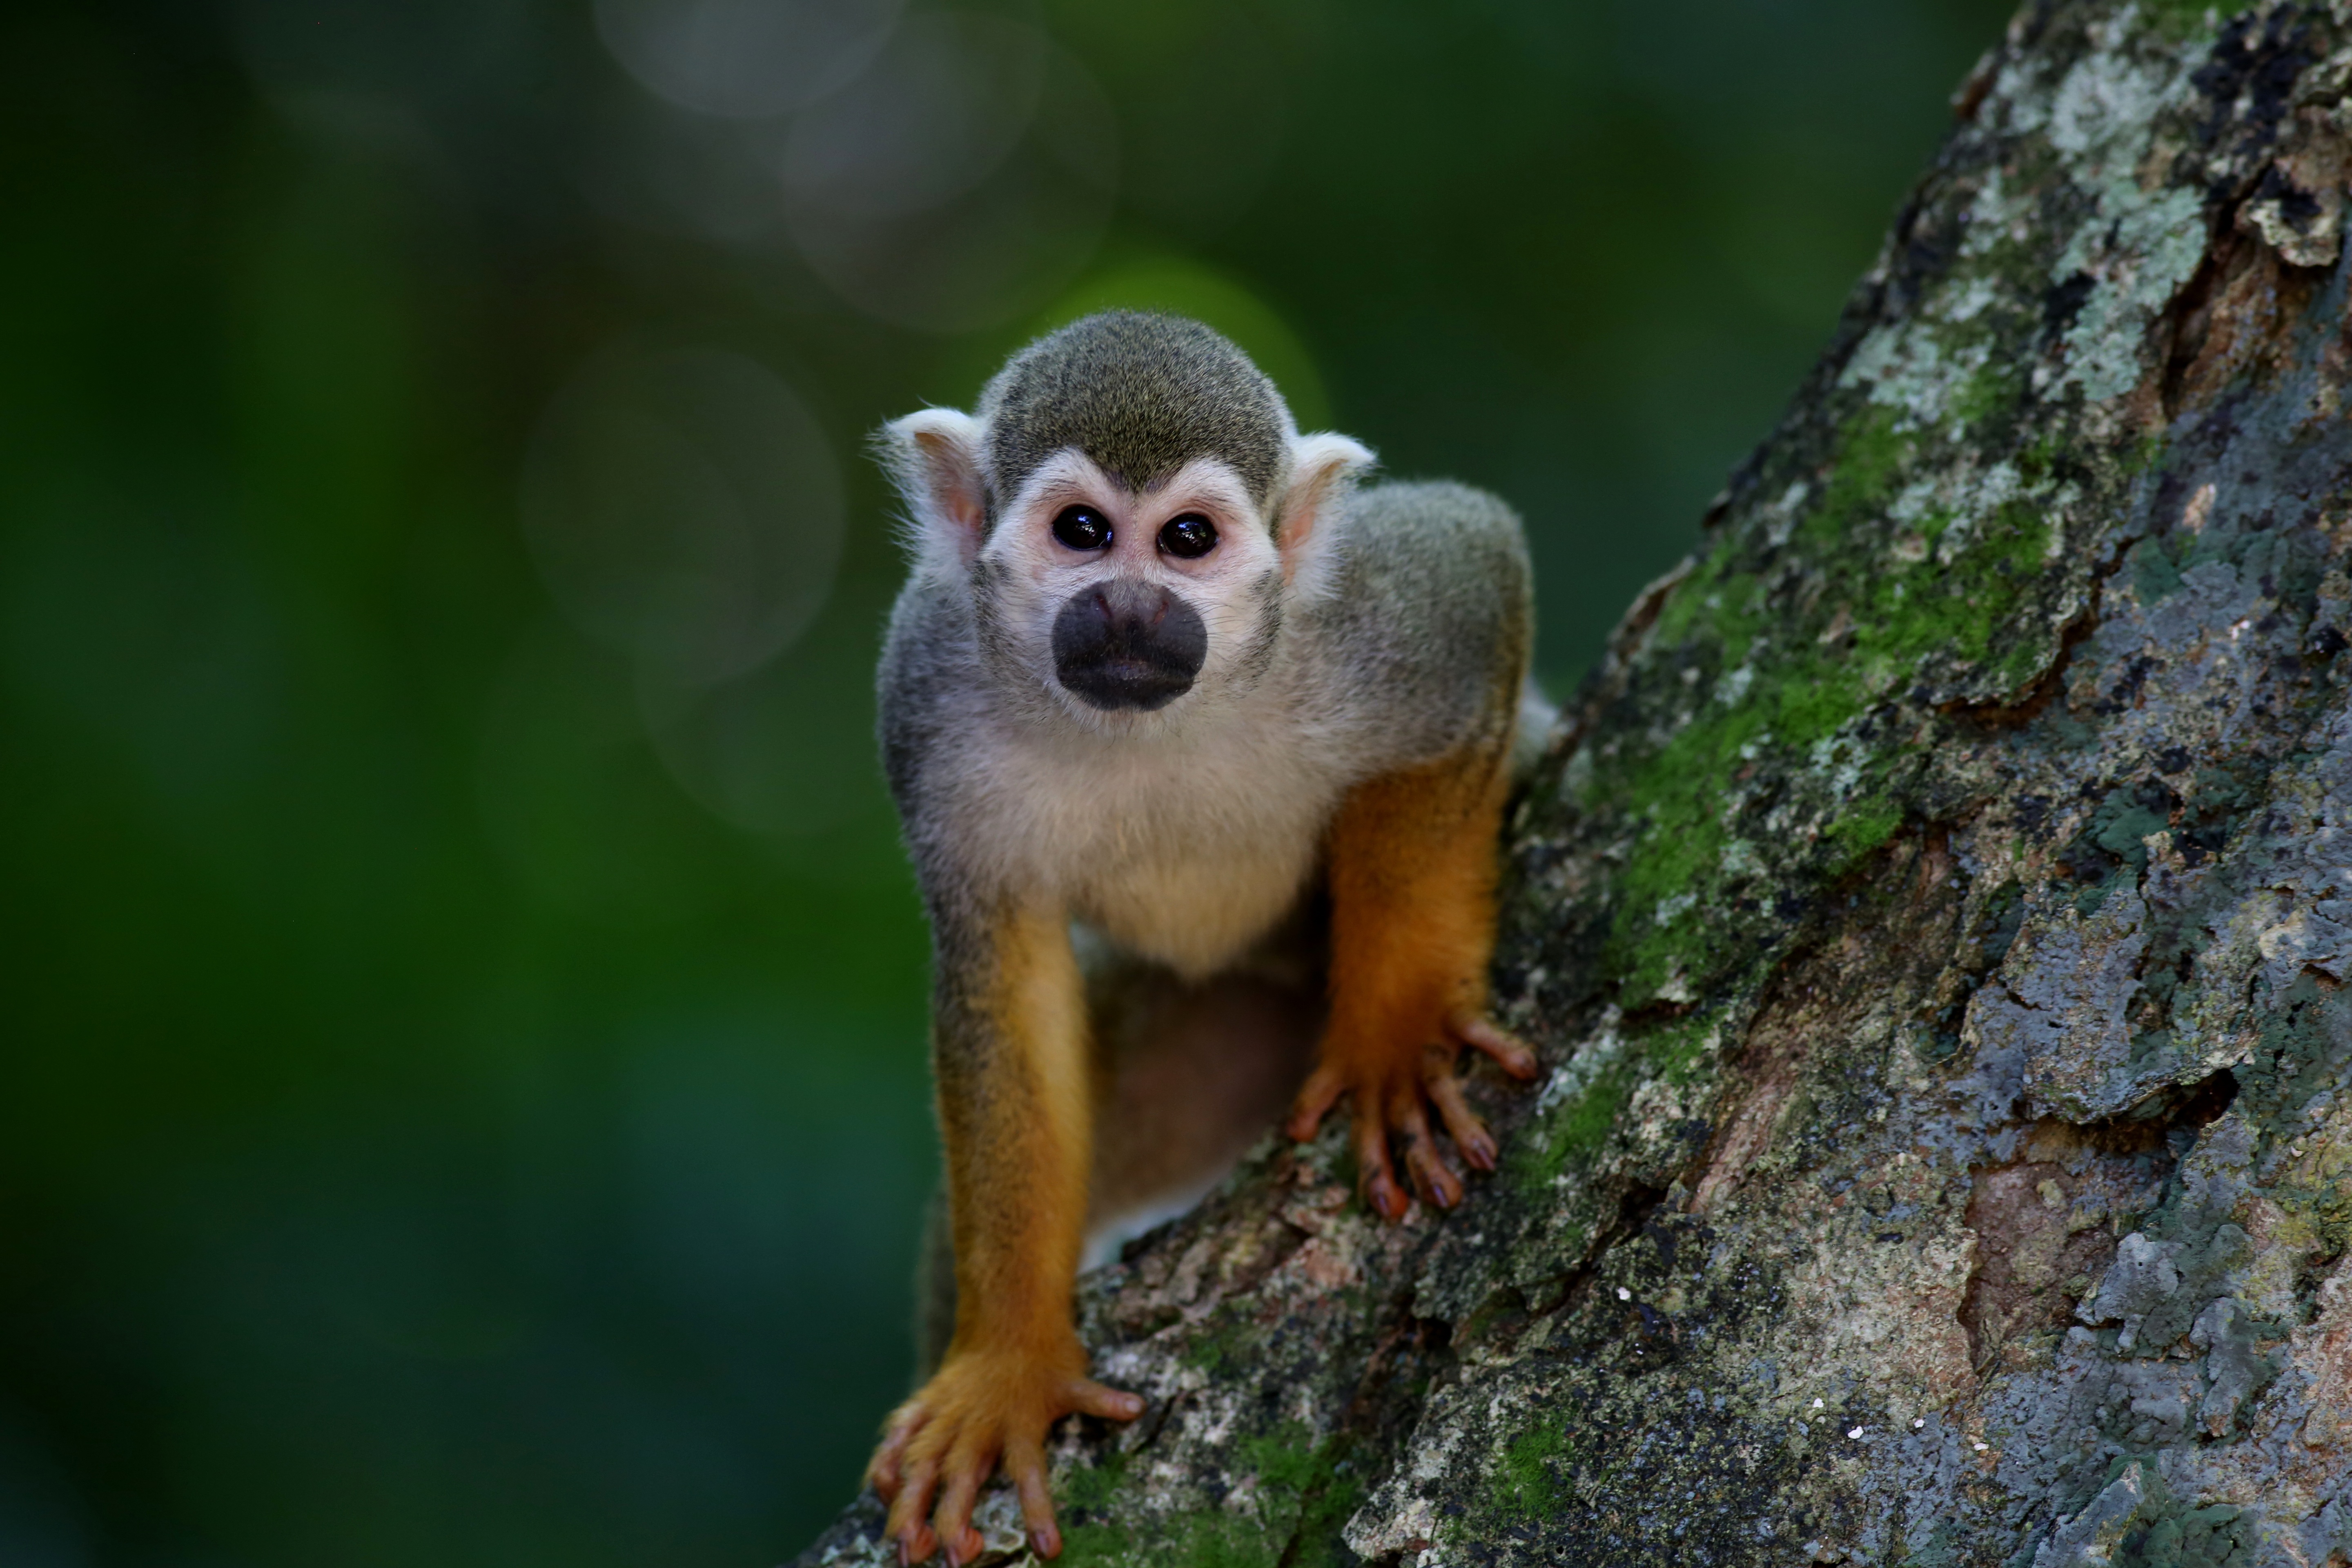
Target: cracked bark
{"x": 1935, "y": 916}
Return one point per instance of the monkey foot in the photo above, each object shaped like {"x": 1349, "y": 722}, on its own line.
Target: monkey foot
{"x": 979, "y": 1410}
{"x": 1390, "y": 1095}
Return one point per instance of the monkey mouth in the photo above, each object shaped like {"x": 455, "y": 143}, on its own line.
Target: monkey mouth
{"x": 1127, "y": 645}
{"x": 1112, "y": 684}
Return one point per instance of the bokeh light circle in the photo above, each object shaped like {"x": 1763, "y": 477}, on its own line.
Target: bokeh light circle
{"x": 933, "y": 116}
{"x": 744, "y": 59}
{"x": 684, "y": 506}
{"x": 962, "y": 180}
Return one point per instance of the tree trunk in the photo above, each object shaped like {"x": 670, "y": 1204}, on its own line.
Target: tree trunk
{"x": 1934, "y": 917}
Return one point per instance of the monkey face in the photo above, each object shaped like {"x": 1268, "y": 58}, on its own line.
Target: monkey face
{"x": 1111, "y": 521}
{"x": 1127, "y": 602}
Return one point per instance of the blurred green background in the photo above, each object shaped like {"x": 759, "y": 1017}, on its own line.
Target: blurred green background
{"x": 462, "y": 1095}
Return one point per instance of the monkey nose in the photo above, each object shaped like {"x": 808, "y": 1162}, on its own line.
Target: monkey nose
{"x": 1128, "y": 644}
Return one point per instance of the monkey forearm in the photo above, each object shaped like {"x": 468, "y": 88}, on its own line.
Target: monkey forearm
{"x": 1016, "y": 1111}
{"x": 1412, "y": 874}
{"x": 1015, "y": 1106}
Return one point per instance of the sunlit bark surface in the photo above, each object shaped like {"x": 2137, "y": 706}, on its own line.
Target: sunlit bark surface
{"x": 1936, "y": 919}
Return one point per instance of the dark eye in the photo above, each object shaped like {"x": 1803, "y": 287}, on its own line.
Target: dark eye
{"x": 1190, "y": 536}
{"x": 1082, "y": 528}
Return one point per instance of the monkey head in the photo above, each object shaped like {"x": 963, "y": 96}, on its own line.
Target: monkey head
{"x": 1131, "y": 509}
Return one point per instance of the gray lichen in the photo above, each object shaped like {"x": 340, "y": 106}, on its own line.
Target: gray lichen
{"x": 1936, "y": 919}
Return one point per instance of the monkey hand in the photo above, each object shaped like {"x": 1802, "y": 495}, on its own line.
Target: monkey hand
{"x": 983, "y": 1407}
{"x": 1389, "y": 1087}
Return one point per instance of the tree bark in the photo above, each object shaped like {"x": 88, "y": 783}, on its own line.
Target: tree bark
{"x": 1934, "y": 917}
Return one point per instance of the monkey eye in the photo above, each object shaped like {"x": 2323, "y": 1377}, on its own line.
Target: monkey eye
{"x": 1189, "y": 537}
{"x": 1082, "y": 528}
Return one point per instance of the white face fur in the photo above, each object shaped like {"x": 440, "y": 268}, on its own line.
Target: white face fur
{"x": 1073, "y": 532}
{"x": 1042, "y": 556}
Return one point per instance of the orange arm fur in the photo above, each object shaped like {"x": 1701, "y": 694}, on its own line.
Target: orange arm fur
{"x": 1414, "y": 869}
{"x": 1016, "y": 1114}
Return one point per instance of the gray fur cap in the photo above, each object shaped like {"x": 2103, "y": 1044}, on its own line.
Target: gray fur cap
{"x": 1142, "y": 395}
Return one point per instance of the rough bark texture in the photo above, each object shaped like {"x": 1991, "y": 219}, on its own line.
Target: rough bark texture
{"x": 1935, "y": 919}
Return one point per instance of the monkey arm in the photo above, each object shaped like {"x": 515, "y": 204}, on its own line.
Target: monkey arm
{"x": 1412, "y": 874}
{"x": 1010, "y": 1055}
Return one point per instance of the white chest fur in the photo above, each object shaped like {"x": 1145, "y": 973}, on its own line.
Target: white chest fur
{"x": 1186, "y": 849}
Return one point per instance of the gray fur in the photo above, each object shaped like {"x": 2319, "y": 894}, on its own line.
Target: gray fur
{"x": 1432, "y": 598}
{"x": 1141, "y": 395}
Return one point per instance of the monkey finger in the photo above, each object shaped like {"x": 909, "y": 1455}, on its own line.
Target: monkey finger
{"x": 1088, "y": 1398}
{"x": 1374, "y": 1178}
{"x": 1320, "y": 1093}
{"x": 1024, "y": 1461}
{"x": 964, "y": 1546}
{"x": 906, "y": 1524}
{"x": 969, "y": 1467}
{"x": 883, "y": 1472}
{"x": 1432, "y": 1178}
{"x": 1509, "y": 1052}
{"x": 1461, "y": 1123}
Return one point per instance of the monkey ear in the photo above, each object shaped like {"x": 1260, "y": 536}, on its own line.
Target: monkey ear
{"x": 1323, "y": 467}
{"x": 934, "y": 456}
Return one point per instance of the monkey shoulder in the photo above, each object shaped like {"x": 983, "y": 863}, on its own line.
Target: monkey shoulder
{"x": 1430, "y": 613}
{"x": 1446, "y": 556}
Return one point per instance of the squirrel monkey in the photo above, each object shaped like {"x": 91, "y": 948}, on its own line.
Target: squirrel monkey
{"x": 1180, "y": 724}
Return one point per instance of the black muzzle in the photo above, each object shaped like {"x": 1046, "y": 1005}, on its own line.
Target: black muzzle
{"x": 1125, "y": 643}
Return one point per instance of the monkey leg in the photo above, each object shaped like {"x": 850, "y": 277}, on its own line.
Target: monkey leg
{"x": 1009, "y": 1049}
{"x": 1188, "y": 1075}
{"x": 1413, "y": 871}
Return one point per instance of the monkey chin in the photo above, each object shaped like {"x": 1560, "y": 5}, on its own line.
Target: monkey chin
{"x": 1123, "y": 710}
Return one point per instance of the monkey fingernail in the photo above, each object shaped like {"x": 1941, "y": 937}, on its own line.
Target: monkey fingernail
{"x": 1045, "y": 1542}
